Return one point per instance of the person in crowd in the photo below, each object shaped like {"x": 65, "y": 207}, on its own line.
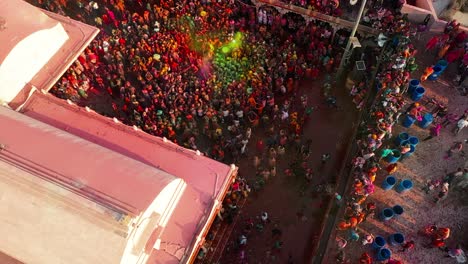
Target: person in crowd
{"x": 432, "y": 43}
{"x": 442, "y": 193}
{"x": 457, "y": 147}
{"x": 407, "y": 246}
{"x": 462, "y": 72}
{"x": 427, "y": 72}
{"x": 434, "y": 132}
{"x": 457, "y": 253}
{"x": 367, "y": 239}
{"x": 365, "y": 259}
{"x": 461, "y": 124}
{"x": 431, "y": 185}
{"x": 463, "y": 180}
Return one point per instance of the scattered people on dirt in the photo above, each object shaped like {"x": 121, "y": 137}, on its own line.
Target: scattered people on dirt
{"x": 461, "y": 124}
{"x": 434, "y": 132}
{"x": 264, "y": 217}
{"x": 442, "y": 193}
{"x": 367, "y": 239}
{"x": 242, "y": 240}
{"x": 463, "y": 180}
{"x": 431, "y": 185}
{"x": 325, "y": 158}
{"x": 407, "y": 246}
{"x": 341, "y": 242}
{"x": 457, "y": 253}
{"x": 276, "y": 232}
{"x": 456, "y": 148}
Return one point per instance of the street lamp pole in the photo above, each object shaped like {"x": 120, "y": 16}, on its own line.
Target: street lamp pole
{"x": 346, "y": 54}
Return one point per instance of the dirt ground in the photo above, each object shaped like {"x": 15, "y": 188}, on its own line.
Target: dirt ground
{"x": 293, "y": 206}
{"x": 427, "y": 163}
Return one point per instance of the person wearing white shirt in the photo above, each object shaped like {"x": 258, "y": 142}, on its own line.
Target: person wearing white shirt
{"x": 462, "y": 123}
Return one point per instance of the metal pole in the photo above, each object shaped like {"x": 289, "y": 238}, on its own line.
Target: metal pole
{"x": 346, "y": 53}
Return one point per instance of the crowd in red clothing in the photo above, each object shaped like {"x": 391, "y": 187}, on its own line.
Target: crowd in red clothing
{"x": 165, "y": 66}
{"x": 451, "y": 46}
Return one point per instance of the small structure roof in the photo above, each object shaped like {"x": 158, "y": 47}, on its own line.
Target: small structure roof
{"x": 37, "y": 48}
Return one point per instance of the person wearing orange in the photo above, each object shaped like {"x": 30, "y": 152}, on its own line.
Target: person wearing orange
{"x": 353, "y": 221}
{"x": 405, "y": 149}
{"x": 416, "y": 110}
{"x": 427, "y": 72}
{"x": 343, "y": 225}
{"x": 361, "y": 217}
{"x": 365, "y": 259}
{"x": 391, "y": 168}
{"x": 443, "y": 50}
{"x": 371, "y": 176}
{"x": 442, "y": 233}
{"x": 358, "y": 187}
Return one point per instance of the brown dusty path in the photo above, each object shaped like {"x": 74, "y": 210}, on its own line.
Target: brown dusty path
{"x": 281, "y": 197}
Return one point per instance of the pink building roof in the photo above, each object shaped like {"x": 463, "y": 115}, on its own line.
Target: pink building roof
{"x": 207, "y": 178}
{"x": 110, "y": 179}
{"x": 37, "y": 48}
{"x": 96, "y": 172}
{"x": 205, "y": 175}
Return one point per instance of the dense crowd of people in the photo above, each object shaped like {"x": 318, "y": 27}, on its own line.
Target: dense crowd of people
{"x": 181, "y": 70}
{"x": 375, "y": 131}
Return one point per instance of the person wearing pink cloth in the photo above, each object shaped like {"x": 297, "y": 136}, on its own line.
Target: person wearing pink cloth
{"x": 435, "y": 132}
{"x": 461, "y": 37}
{"x": 454, "y": 55}
{"x": 432, "y": 43}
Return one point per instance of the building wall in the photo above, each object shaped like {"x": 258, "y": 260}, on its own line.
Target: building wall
{"x": 441, "y": 5}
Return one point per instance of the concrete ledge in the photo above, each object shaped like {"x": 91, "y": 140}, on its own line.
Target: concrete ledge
{"x": 417, "y": 14}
